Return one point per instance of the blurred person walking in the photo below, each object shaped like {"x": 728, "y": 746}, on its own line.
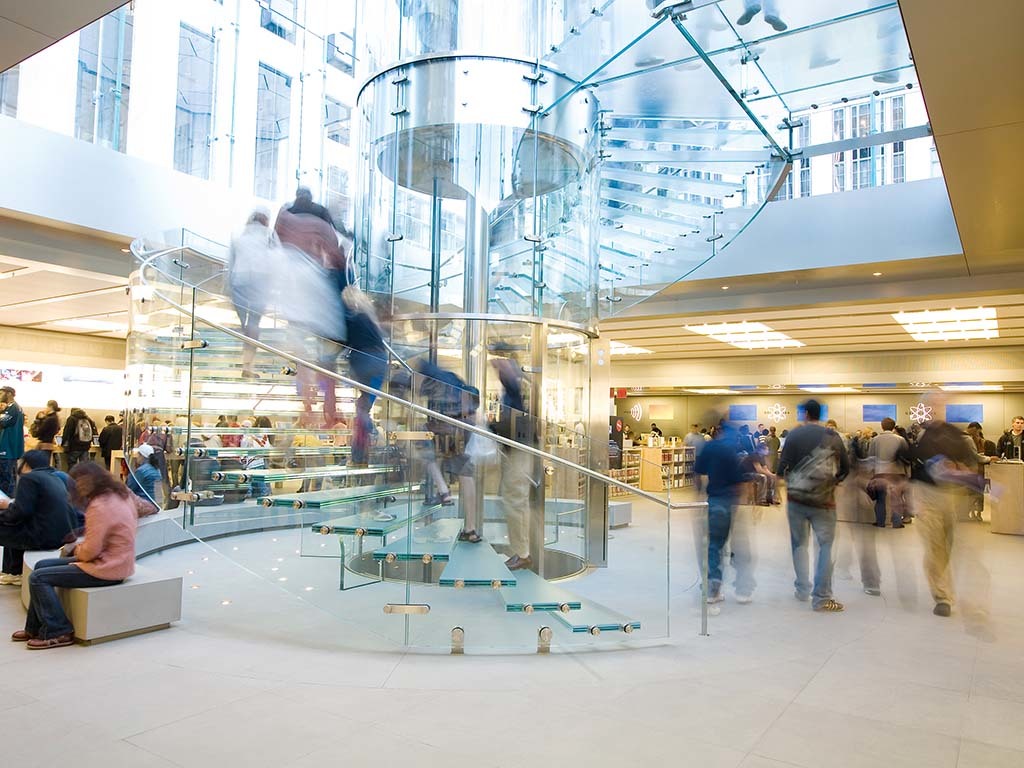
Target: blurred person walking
{"x": 889, "y": 456}
{"x": 942, "y": 466}
{"x": 105, "y": 556}
{"x": 774, "y": 445}
{"x": 12, "y": 438}
{"x": 368, "y": 362}
{"x": 517, "y": 480}
{"x": 813, "y": 461}
{"x": 720, "y": 462}
{"x": 250, "y": 277}
{"x": 38, "y": 517}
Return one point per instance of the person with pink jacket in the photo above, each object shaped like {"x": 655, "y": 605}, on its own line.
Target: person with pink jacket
{"x": 104, "y": 556}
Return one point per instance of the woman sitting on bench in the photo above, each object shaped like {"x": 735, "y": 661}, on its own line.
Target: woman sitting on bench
{"x": 105, "y": 556}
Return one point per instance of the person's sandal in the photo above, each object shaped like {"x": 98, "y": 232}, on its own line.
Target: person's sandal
{"x": 829, "y": 606}
{"x": 21, "y": 636}
{"x": 42, "y": 644}
{"x": 471, "y": 536}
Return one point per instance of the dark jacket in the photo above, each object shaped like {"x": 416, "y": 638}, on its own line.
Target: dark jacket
{"x": 41, "y": 511}
{"x": 111, "y": 439}
{"x": 70, "y": 436}
{"x": 1005, "y": 446}
{"x": 801, "y": 443}
{"x": 12, "y": 432}
{"x": 48, "y": 428}
{"x": 939, "y": 441}
{"x": 720, "y": 461}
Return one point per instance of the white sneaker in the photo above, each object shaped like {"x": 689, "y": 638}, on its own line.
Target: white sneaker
{"x": 9, "y": 579}
{"x": 744, "y": 599}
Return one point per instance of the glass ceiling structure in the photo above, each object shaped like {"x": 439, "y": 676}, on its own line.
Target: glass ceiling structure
{"x": 699, "y": 114}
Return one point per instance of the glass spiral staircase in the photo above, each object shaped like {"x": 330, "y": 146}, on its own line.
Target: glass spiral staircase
{"x": 374, "y": 544}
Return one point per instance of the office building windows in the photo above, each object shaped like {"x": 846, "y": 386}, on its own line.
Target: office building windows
{"x": 804, "y": 163}
{"x": 860, "y": 120}
{"x": 337, "y": 121}
{"x": 839, "y": 158}
{"x": 273, "y": 118}
{"x": 899, "y": 163}
{"x": 341, "y": 52}
{"x": 104, "y": 70}
{"x": 193, "y": 120}
{"x": 278, "y": 17}
{"x": 9, "y": 92}
{"x": 862, "y": 161}
{"x": 899, "y": 119}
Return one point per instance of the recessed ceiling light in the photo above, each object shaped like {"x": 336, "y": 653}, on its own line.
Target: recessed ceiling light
{"x": 725, "y": 287}
{"x": 950, "y": 324}
{"x": 712, "y": 391}
{"x": 746, "y": 335}
{"x": 876, "y": 274}
{"x": 126, "y": 250}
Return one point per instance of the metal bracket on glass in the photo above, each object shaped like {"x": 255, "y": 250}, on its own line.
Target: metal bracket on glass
{"x": 544, "y": 640}
{"x": 399, "y": 110}
{"x": 535, "y": 77}
{"x": 394, "y": 237}
{"x": 195, "y": 344}
{"x": 400, "y": 80}
{"x": 533, "y": 109}
{"x": 180, "y": 263}
{"x": 533, "y": 238}
{"x": 458, "y": 641}
{"x": 191, "y": 496}
{"x": 407, "y": 609}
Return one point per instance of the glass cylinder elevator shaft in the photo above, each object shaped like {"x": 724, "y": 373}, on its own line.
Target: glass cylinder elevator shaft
{"x": 476, "y": 215}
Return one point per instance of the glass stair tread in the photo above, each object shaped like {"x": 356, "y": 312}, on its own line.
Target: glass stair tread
{"x": 593, "y": 616}
{"x": 435, "y": 540}
{"x": 335, "y": 496}
{"x": 476, "y": 565}
{"x": 280, "y": 475}
{"x": 382, "y": 521}
{"x": 534, "y": 593}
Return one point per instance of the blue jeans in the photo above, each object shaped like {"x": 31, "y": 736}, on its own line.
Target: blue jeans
{"x": 722, "y": 525}
{"x": 891, "y": 487}
{"x": 802, "y": 520}
{"x": 46, "y": 617}
{"x": 7, "y": 476}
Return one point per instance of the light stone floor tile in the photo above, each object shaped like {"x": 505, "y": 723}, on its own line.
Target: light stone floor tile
{"x": 815, "y": 737}
{"x": 995, "y": 721}
{"x": 974, "y": 754}
{"x": 277, "y": 677}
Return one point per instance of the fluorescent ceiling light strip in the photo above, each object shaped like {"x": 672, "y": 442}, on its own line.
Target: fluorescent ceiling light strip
{"x": 746, "y": 335}
{"x": 950, "y": 325}
{"x": 828, "y": 390}
{"x": 971, "y": 387}
{"x": 620, "y": 348}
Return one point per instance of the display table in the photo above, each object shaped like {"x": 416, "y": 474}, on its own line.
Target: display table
{"x": 1007, "y": 496}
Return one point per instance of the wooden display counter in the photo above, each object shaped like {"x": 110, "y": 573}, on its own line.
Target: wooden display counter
{"x": 1007, "y": 496}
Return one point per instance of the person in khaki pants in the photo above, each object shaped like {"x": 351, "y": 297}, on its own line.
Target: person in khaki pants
{"x": 941, "y": 469}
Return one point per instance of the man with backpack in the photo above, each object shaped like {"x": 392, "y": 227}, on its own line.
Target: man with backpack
{"x": 77, "y": 437}
{"x": 813, "y": 462}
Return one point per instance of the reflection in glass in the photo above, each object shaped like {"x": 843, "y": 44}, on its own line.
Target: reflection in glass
{"x": 193, "y": 120}
{"x": 273, "y": 117}
{"x": 104, "y": 75}
{"x": 9, "y": 92}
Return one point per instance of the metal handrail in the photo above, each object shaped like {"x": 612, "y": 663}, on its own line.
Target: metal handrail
{"x": 147, "y": 262}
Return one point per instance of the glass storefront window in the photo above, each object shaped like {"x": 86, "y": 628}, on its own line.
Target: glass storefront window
{"x": 278, "y": 17}
{"x": 104, "y": 74}
{"x": 9, "y": 92}
{"x": 273, "y": 117}
{"x": 193, "y": 121}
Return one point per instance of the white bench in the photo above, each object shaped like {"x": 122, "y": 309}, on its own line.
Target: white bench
{"x": 145, "y": 602}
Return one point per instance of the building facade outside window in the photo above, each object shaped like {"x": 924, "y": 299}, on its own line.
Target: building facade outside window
{"x": 278, "y": 17}
{"x": 839, "y": 158}
{"x": 104, "y": 75}
{"x": 273, "y": 121}
{"x": 899, "y": 157}
{"x": 193, "y": 120}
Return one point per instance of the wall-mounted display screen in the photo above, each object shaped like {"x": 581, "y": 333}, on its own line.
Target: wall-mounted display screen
{"x": 960, "y": 413}
{"x": 742, "y": 413}
{"x": 876, "y": 412}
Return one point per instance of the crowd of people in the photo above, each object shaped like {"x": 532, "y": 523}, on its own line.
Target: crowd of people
{"x": 926, "y": 473}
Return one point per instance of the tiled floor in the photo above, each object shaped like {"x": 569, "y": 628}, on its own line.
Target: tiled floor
{"x": 274, "y": 679}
